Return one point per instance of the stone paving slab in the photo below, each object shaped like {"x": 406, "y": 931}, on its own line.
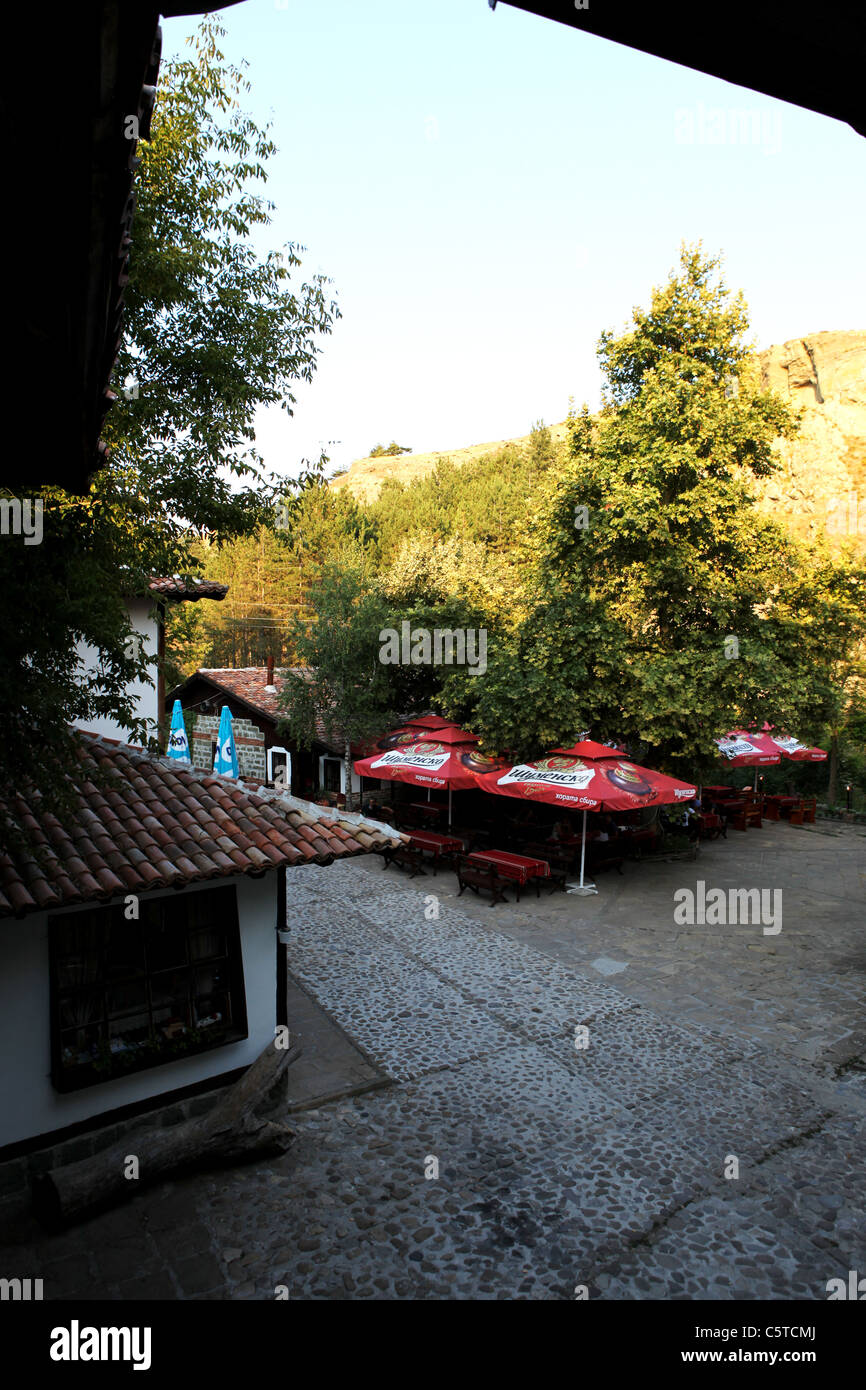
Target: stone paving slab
{"x": 724, "y": 1249}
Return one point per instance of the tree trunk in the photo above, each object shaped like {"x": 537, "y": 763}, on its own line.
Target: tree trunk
{"x": 347, "y": 764}
{"x": 230, "y": 1132}
{"x": 832, "y": 785}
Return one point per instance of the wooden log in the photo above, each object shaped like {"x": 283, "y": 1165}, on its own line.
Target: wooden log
{"x": 229, "y": 1133}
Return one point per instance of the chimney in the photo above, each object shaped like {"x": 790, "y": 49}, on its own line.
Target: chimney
{"x": 270, "y": 681}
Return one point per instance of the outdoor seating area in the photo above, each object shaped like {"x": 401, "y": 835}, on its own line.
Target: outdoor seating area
{"x": 491, "y": 850}
{"x": 582, "y": 810}
{"x": 745, "y": 808}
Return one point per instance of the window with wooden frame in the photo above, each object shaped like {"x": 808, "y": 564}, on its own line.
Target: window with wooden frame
{"x": 129, "y": 994}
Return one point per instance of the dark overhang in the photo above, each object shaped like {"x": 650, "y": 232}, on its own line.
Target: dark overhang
{"x": 811, "y": 55}
{"x": 72, "y": 78}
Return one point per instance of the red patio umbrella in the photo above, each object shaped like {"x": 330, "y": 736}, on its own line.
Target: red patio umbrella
{"x": 424, "y": 757}
{"x": 792, "y": 748}
{"x": 744, "y": 749}
{"x": 587, "y": 776}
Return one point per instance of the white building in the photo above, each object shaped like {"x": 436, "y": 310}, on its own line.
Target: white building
{"x": 147, "y": 620}
{"x": 142, "y": 956}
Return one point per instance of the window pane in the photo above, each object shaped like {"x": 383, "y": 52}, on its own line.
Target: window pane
{"x": 214, "y": 1012}
{"x": 164, "y": 936}
{"x": 126, "y": 999}
{"x": 207, "y": 943}
{"x": 86, "y": 1006}
{"x": 79, "y": 945}
{"x": 124, "y": 950}
{"x": 79, "y": 1046}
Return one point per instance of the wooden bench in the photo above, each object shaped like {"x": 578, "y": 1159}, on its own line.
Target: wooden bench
{"x": 749, "y": 814}
{"x": 805, "y": 812}
{"x": 710, "y": 825}
{"x": 405, "y": 857}
{"x": 469, "y": 876}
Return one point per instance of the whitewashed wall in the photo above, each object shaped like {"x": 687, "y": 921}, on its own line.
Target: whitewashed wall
{"x": 145, "y": 624}
{"x": 29, "y": 1104}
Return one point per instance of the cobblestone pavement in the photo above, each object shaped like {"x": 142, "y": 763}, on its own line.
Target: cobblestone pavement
{"x": 515, "y": 1156}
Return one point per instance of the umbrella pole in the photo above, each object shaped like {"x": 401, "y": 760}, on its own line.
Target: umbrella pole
{"x": 755, "y": 787}
{"x": 584, "y": 889}
{"x": 582, "y": 846}
{"x": 449, "y": 808}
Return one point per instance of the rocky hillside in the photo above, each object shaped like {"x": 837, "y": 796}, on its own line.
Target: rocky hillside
{"x": 365, "y": 476}
{"x": 822, "y": 479}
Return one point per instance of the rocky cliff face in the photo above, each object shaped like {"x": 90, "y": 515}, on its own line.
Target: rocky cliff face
{"x": 821, "y": 482}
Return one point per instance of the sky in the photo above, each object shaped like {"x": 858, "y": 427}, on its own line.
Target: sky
{"x": 488, "y": 190}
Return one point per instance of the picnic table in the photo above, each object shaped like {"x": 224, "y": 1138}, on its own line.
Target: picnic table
{"x": 777, "y": 806}
{"x": 519, "y": 868}
{"x": 633, "y": 837}
{"x": 427, "y": 808}
{"x": 710, "y": 825}
{"x": 435, "y": 844}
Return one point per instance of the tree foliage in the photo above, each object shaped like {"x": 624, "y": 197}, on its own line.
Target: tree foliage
{"x": 661, "y": 615}
{"x": 345, "y": 688}
{"x": 214, "y": 330}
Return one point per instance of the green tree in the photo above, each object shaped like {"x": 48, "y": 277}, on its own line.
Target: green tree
{"x": 214, "y": 329}
{"x": 829, "y": 596}
{"x": 660, "y": 614}
{"x": 380, "y": 451}
{"x": 345, "y": 687}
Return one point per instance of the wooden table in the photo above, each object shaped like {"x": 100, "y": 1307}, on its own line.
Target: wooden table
{"x": 777, "y": 806}
{"x": 435, "y": 844}
{"x": 517, "y": 867}
{"x": 710, "y": 825}
{"x": 427, "y": 808}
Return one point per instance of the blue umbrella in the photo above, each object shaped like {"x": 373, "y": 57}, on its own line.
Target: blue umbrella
{"x": 178, "y": 744}
{"x": 226, "y": 758}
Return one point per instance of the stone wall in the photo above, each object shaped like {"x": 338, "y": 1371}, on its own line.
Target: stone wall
{"x": 249, "y": 741}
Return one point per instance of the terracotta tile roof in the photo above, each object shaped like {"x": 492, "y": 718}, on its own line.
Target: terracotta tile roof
{"x": 154, "y": 824}
{"x": 182, "y": 587}
{"x": 249, "y": 683}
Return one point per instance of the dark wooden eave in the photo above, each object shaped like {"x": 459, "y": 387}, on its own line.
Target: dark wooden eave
{"x": 73, "y": 75}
